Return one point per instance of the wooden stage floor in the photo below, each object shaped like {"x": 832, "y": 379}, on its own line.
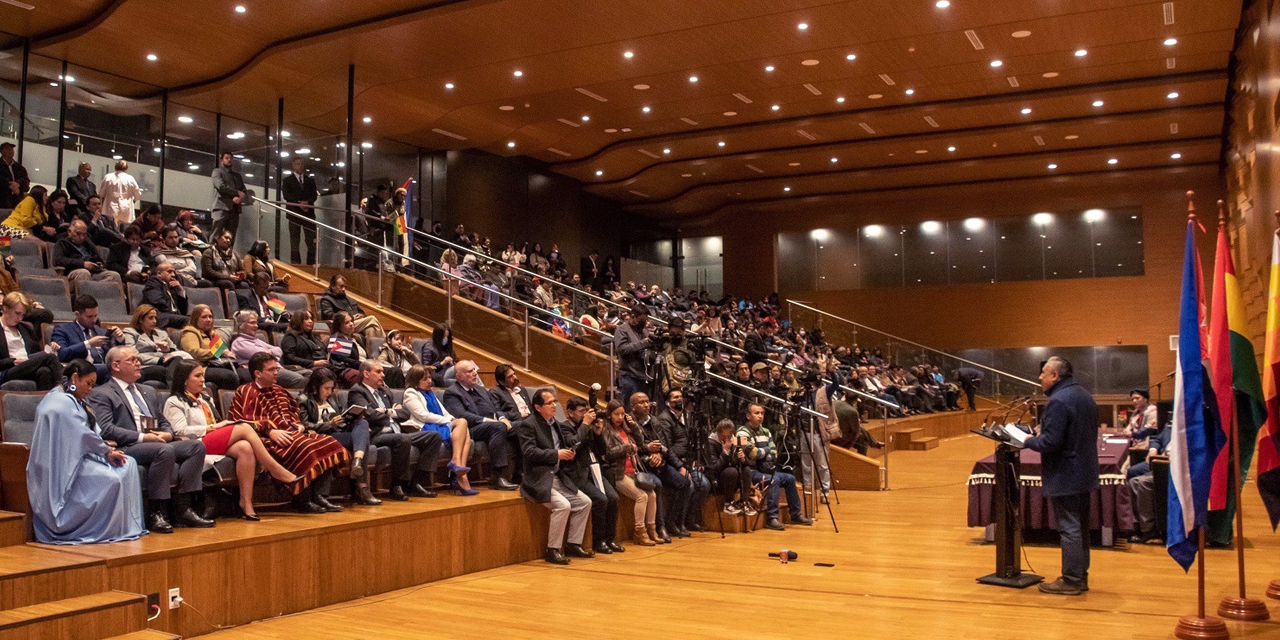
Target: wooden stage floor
{"x": 904, "y": 569}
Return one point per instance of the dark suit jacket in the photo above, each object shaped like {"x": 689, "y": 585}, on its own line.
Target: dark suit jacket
{"x": 13, "y": 173}
{"x": 651, "y": 431}
{"x": 539, "y": 452}
{"x": 115, "y": 417}
{"x": 507, "y": 402}
{"x": 267, "y": 319}
{"x": 70, "y": 337}
{"x": 476, "y": 406}
{"x": 294, "y": 192}
{"x": 118, "y": 258}
{"x": 756, "y": 347}
{"x": 161, "y": 296}
{"x": 68, "y": 255}
{"x": 29, "y": 341}
{"x": 80, "y": 193}
{"x": 379, "y": 420}
{"x": 1068, "y": 440}
{"x": 675, "y": 434}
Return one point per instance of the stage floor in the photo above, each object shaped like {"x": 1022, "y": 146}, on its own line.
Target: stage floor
{"x": 904, "y": 568}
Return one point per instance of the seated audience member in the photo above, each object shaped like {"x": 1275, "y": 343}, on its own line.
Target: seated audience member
{"x": 245, "y": 344}
{"x": 323, "y": 413}
{"x": 726, "y": 464}
{"x": 302, "y": 349}
{"x": 1142, "y": 420}
{"x": 438, "y": 351}
{"x": 469, "y": 400}
{"x": 426, "y": 412}
{"x": 190, "y": 235}
{"x": 191, "y": 414}
{"x": 81, "y": 489}
{"x": 335, "y": 300}
{"x": 103, "y": 230}
{"x": 156, "y": 350}
{"x": 385, "y": 418}
{"x": 220, "y": 264}
{"x": 151, "y": 224}
{"x": 1141, "y": 482}
{"x": 165, "y": 292}
{"x": 673, "y": 432}
{"x": 590, "y": 471}
{"x": 760, "y": 452}
{"x": 258, "y": 260}
{"x": 346, "y": 349}
{"x": 185, "y": 263}
{"x": 674, "y": 493}
{"x": 30, "y": 217}
{"x": 130, "y": 258}
{"x": 21, "y": 357}
{"x": 396, "y": 358}
{"x": 547, "y": 480}
{"x": 515, "y": 402}
{"x": 129, "y": 414}
{"x": 210, "y": 348}
{"x": 267, "y": 305}
{"x": 79, "y": 259}
{"x": 37, "y": 315}
{"x": 621, "y": 440}
{"x": 85, "y": 338}
{"x": 274, "y": 413}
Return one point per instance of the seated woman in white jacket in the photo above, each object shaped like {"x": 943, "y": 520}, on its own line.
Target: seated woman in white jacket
{"x": 427, "y": 412}
{"x": 156, "y": 350}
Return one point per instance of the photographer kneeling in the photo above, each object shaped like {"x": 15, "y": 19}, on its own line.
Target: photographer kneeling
{"x": 759, "y": 446}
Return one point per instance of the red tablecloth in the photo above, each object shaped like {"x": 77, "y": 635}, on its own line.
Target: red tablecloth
{"x": 1111, "y": 505}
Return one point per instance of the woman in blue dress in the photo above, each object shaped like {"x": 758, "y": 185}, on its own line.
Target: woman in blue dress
{"x": 82, "y": 489}
{"x": 427, "y": 412}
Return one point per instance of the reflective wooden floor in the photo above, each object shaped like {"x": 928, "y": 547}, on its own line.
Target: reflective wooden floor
{"x": 904, "y": 561}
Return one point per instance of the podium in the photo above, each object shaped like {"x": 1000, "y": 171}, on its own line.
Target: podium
{"x": 1008, "y": 500}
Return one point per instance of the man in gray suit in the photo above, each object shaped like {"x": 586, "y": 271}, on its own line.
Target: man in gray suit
{"x": 129, "y": 414}
{"x": 228, "y": 197}
{"x": 80, "y": 188}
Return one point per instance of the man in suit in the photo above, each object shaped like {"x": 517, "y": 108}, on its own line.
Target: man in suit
{"x": 256, "y": 299}
{"x": 969, "y": 379}
{"x": 14, "y": 181}
{"x": 79, "y": 258}
{"x": 672, "y": 429}
{"x": 103, "y": 230}
{"x": 467, "y": 399}
{"x": 384, "y": 418}
{"x": 85, "y": 338}
{"x": 515, "y": 400}
{"x": 1068, "y": 447}
{"x": 299, "y": 190}
{"x": 664, "y": 464}
{"x": 579, "y": 434}
{"x": 589, "y": 269}
{"x": 228, "y": 196}
{"x": 129, "y": 414}
{"x": 130, "y": 258}
{"x": 759, "y": 343}
{"x": 164, "y": 292}
{"x": 547, "y": 479}
{"x": 80, "y": 188}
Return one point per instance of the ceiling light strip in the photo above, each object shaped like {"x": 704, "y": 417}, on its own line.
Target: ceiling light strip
{"x": 1039, "y": 141}
{"x": 1168, "y": 13}
{"x": 688, "y": 121}
{"x": 589, "y": 94}
{"x": 560, "y": 153}
{"x": 742, "y": 98}
{"x": 755, "y": 168}
{"x": 974, "y": 39}
{"x": 642, "y": 195}
{"x": 806, "y": 135}
{"x": 1170, "y": 63}
{"x": 933, "y": 123}
{"x": 1013, "y": 82}
{"x": 887, "y": 80}
{"x": 649, "y": 153}
{"x": 866, "y": 127}
{"x": 449, "y": 134}
{"x": 568, "y": 122}
{"x": 812, "y": 89}
{"x": 1173, "y": 127}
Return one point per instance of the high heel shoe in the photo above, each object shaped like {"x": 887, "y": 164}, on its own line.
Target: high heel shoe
{"x": 250, "y": 518}
{"x": 458, "y": 490}
{"x": 458, "y": 470}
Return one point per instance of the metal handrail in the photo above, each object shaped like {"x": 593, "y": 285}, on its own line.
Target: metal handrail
{"x": 915, "y": 344}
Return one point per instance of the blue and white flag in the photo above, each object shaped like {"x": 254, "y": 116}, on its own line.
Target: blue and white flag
{"x": 1192, "y": 445}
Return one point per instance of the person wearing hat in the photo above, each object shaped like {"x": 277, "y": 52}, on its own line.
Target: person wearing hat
{"x": 1143, "y": 422}
{"x": 14, "y": 181}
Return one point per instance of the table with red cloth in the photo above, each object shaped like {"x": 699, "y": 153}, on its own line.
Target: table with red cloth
{"x": 1111, "y": 508}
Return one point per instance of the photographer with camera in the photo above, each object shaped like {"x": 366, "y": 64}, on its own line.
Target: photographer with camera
{"x": 758, "y": 444}
{"x": 635, "y": 348}
{"x": 726, "y": 464}
{"x": 673, "y": 494}
{"x": 674, "y": 430}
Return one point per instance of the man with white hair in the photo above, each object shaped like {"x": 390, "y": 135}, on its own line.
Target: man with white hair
{"x": 468, "y": 399}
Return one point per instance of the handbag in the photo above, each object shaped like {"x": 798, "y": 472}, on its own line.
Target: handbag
{"x": 645, "y": 481}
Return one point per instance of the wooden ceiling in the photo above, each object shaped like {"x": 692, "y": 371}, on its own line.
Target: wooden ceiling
{"x": 869, "y": 95}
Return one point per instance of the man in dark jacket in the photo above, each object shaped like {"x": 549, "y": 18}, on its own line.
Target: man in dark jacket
{"x": 630, "y": 341}
{"x": 164, "y": 292}
{"x": 969, "y": 379}
{"x": 584, "y": 432}
{"x": 759, "y": 343}
{"x": 547, "y": 480}
{"x": 1068, "y": 447}
{"x": 130, "y": 258}
{"x": 467, "y": 399}
{"x": 673, "y": 431}
{"x": 384, "y": 418}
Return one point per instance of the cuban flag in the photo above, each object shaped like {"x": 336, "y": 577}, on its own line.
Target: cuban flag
{"x": 341, "y": 346}
{"x": 1192, "y": 444}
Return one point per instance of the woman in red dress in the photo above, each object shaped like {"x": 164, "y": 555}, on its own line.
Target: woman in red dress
{"x": 191, "y": 413}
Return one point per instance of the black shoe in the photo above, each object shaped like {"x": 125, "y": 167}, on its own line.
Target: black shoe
{"x": 245, "y": 516}
{"x": 664, "y": 536}
{"x": 418, "y": 491}
{"x": 324, "y": 503}
{"x": 1060, "y": 587}
{"x": 695, "y": 527}
{"x": 680, "y": 532}
{"x": 363, "y": 496}
{"x": 775, "y": 524}
{"x": 801, "y": 520}
{"x": 190, "y": 519}
{"x": 577, "y": 551}
{"x": 307, "y": 506}
{"x": 501, "y": 484}
{"x": 615, "y": 547}
{"x": 555, "y": 557}
{"x": 603, "y": 548}
{"x": 357, "y": 468}
{"x": 397, "y": 493}
{"x": 157, "y": 523}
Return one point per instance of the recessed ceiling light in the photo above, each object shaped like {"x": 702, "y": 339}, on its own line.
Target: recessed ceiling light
{"x": 686, "y": 175}
{"x": 506, "y": 107}
{"x": 1169, "y": 42}
{"x": 951, "y": 149}
{"x": 586, "y": 118}
{"x": 809, "y": 63}
{"x": 1020, "y": 34}
{"x": 1052, "y": 167}
{"x": 152, "y": 57}
{"x": 769, "y": 68}
{"x": 240, "y": 8}
{"x": 802, "y": 26}
{"x": 876, "y": 96}
{"x": 666, "y": 151}
{"x": 235, "y": 135}
{"x": 1070, "y": 136}
{"x": 1049, "y": 74}
{"x": 786, "y": 189}
{"x": 640, "y": 87}
{"x": 610, "y": 130}
{"x": 997, "y": 63}
{"x": 851, "y": 57}
{"x": 511, "y": 145}
{"x": 720, "y": 144}
{"x": 1176, "y": 156}
{"x": 922, "y": 151}
{"x": 1080, "y": 53}
{"x": 517, "y": 73}
{"x": 1026, "y": 111}
{"x": 910, "y": 92}
{"x": 303, "y": 151}
{"x": 628, "y": 55}
{"x": 366, "y": 145}
{"x": 284, "y": 134}
{"x": 835, "y": 160}
{"x": 840, "y": 100}
{"x": 599, "y": 173}
{"x": 1172, "y": 95}
{"x": 793, "y": 164}
{"x": 942, "y": 4}
{"x": 1113, "y": 161}
{"x": 1098, "y": 103}
{"x": 448, "y": 85}
{"x": 645, "y": 109}
{"x": 693, "y": 78}
{"x": 730, "y": 114}
{"x": 367, "y": 119}
{"x": 775, "y": 107}
{"x": 626, "y": 129}
{"x": 53, "y": 84}
{"x": 69, "y": 79}
{"x": 157, "y": 149}
{"x": 185, "y": 119}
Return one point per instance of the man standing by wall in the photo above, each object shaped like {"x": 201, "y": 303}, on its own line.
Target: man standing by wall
{"x": 1068, "y": 446}
{"x": 228, "y": 196}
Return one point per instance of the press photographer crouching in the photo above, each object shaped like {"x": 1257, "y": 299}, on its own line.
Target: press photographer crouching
{"x": 758, "y": 444}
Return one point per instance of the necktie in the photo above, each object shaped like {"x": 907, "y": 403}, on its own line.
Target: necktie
{"x": 142, "y": 404}
{"x": 88, "y": 349}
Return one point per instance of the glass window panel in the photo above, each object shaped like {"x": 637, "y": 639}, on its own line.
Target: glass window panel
{"x": 880, "y": 256}
{"x": 972, "y": 250}
{"x": 1117, "y": 237}
{"x": 797, "y": 262}
{"x": 925, "y": 247}
{"x": 1068, "y": 248}
{"x": 1019, "y": 250}
{"x": 188, "y": 163}
{"x": 838, "y": 260}
{"x": 44, "y": 97}
{"x": 703, "y": 265}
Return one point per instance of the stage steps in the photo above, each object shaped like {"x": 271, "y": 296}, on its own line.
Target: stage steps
{"x": 923, "y": 444}
{"x": 89, "y": 617}
{"x": 13, "y": 528}
{"x": 148, "y": 634}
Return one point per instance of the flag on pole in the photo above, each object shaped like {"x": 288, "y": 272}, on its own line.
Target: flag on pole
{"x": 217, "y": 346}
{"x": 1220, "y": 370}
{"x": 276, "y": 305}
{"x": 402, "y": 220}
{"x": 1192, "y": 443}
{"x": 1269, "y": 437}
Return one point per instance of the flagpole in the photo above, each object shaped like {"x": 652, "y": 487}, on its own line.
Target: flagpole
{"x": 1273, "y": 589}
{"x": 1242, "y": 607}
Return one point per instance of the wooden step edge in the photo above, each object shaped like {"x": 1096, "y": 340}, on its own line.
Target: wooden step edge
{"x": 147, "y": 634}
{"x": 11, "y": 515}
{"x": 46, "y": 611}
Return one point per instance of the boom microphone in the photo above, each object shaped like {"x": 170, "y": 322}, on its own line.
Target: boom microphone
{"x": 592, "y": 394}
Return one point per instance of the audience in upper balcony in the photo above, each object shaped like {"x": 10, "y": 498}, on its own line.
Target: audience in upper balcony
{"x": 151, "y": 224}
{"x": 220, "y": 264}
{"x": 258, "y": 260}
{"x": 186, "y": 265}
{"x": 103, "y": 229}
{"x": 335, "y": 299}
{"x": 299, "y": 190}
{"x": 229, "y": 195}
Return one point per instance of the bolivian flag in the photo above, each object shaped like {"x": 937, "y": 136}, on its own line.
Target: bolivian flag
{"x": 217, "y": 345}
{"x": 1269, "y": 436}
{"x": 276, "y": 305}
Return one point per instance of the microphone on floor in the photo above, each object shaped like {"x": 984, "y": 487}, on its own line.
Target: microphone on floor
{"x": 784, "y": 555}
